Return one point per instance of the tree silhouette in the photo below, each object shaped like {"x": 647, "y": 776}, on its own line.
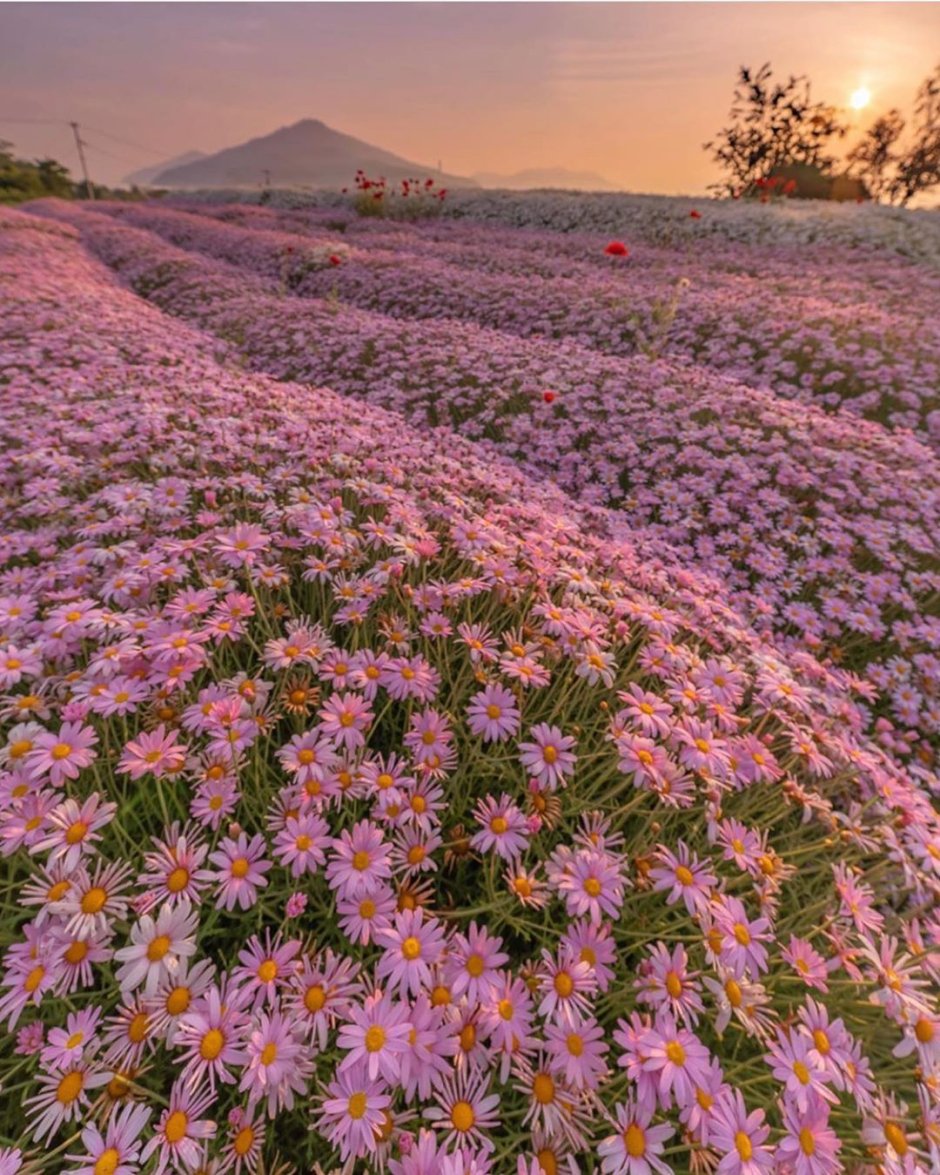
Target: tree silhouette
{"x": 899, "y": 173}
{"x": 773, "y": 124}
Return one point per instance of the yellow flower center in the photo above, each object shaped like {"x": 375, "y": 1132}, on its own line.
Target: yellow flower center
{"x": 211, "y": 1044}
{"x": 70, "y": 1087}
{"x": 158, "y": 948}
{"x": 743, "y": 1145}
{"x": 243, "y": 1141}
{"x": 76, "y": 952}
{"x": 178, "y": 1001}
{"x": 462, "y": 1117}
{"x": 137, "y": 1029}
{"x": 314, "y": 997}
{"x": 375, "y": 1038}
{"x": 564, "y": 984}
{"x": 675, "y": 1052}
{"x": 75, "y": 832}
{"x": 411, "y": 947}
{"x": 108, "y": 1161}
{"x": 174, "y": 1129}
{"x": 634, "y": 1139}
{"x": 178, "y": 880}
{"x": 93, "y": 901}
{"x": 33, "y": 979}
{"x": 896, "y": 1138}
{"x": 267, "y": 971}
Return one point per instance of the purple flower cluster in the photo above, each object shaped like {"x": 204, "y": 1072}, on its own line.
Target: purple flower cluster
{"x": 367, "y": 802}
{"x": 821, "y": 526}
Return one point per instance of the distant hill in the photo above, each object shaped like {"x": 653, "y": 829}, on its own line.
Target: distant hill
{"x": 146, "y": 175}
{"x": 548, "y": 177}
{"x": 307, "y": 154}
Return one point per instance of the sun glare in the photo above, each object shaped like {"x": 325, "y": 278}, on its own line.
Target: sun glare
{"x": 860, "y": 98}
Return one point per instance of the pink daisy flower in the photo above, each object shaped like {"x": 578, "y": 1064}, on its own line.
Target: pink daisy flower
{"x": 493, "y": 714}
{"x": 413, "y": 945}
{"x": 739, "y": 1137}
{"x": 504, "y": 827}
{"x": 153, "y": 752}
{"x": 576, "y": 1053}
{"x": 346, "y": 718}
{"x": 682, "y": 875}
{"x": 375, "y": 1035}
{"x": 473, "y": 963}
{"x": 353, "y": 1113}
{"x": 211, "y": 1038}
{"x": 279, "y": 1064}
{"x": 301, "y": 844}
{"x": 807, "y": 962}
{"x": 549, "y": 756}
{"x": 810, "y": 1145}
{"x": 240, "y": 871}
{"x": 181, "y": 1132}
{"x": 678, "y": 1059}
{"x": 62, "y": 756}
{"x": 464, "y": 1110}
{"x": 360, "y": 860}
{"x": 157, "y": 945}
{"x": 636, "y": 1147}
{"x": 117, "y": 1151}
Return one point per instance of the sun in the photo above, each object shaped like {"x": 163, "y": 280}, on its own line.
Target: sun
{"x": 860, "y": 98}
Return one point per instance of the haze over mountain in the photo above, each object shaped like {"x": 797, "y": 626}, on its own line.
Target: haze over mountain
{"x": 145, "y": 176}
{"x": 547, "y": 177}
{"x": 306, "y": 154}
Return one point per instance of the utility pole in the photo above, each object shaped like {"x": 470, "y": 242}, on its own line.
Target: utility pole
{"x": 90, "y": 191}
{"x": 267, "y": 178}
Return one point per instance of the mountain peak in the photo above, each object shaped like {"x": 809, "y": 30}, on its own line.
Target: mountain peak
{"x": 306, "y": 154}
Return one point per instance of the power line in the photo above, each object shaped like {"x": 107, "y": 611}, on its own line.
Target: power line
{"x": 128, "y": 143}
{"x": 35, "y": 121}
{"x": 111, "y": 155}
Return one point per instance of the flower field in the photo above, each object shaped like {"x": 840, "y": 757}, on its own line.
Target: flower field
{"x": 470, "y": 699}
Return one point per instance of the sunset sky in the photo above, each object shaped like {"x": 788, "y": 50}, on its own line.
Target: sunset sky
{"x": 627, "y": 90}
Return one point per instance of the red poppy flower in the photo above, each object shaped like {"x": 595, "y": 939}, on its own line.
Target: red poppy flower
{"x": 548, "y": 397}
{"x": 335, "y": 259}
{"x": 695, "y": 215}
{"x": 617, "y": 249}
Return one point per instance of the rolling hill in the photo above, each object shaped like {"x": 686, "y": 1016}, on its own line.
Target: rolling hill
{"x": 307, "y": 154}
